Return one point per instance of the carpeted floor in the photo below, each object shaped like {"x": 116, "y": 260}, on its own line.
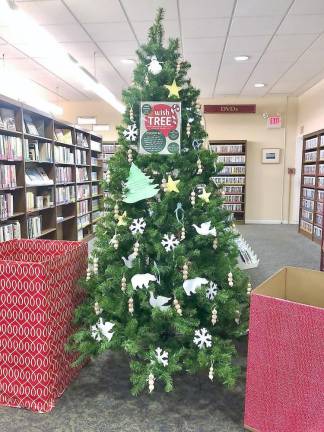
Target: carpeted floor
{"x": 99, "y": 400}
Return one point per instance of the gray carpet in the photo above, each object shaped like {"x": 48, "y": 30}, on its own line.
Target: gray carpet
{"x": 99, "y": 400}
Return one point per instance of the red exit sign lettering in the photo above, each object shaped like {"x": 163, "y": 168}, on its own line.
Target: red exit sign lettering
{"x": 274, "y": 122}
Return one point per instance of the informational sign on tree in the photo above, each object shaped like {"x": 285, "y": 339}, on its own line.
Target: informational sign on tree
{"x": 160, "y": 128}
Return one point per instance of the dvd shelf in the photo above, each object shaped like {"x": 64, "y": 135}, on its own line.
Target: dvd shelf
{"x": 232, "y": 154}
{"x": 39, "y": 176}
{"x": 312, "y": 187}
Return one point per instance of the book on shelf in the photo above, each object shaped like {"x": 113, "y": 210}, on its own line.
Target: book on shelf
{"x": 231, "y": 159}
{"x": 63, "y": 174}
{"x": 95, "y": 189}
{"x": 94, "y": 175}
{"x": 39, "y": 200}
{"x": 83, "y": 221}
{"x": 80, "y": 157}
{"x": 65, "y": 194}
{"x": 30, "y": 126}
{"x": 7, "y": 119}
{"x": 81, "y": 139}
{"x": 95, "y": 204}
{"x": 10, "y": 148}
{"x": 6, "y": 205}
{"x": 10, "y": 231}
{"x": 81, "y": 174}
{"x": 34, "y": 226}
{"x": 230, "y": 169}
{"x": 94, "y": 161}
{"x": 82, "y": 207}
{"x": 83, "y": 191}
{"x": 95, "y": 146}
{"x": 38, "y": 151}
{"x": 37, "y": 176}
{"x": 226, "y": 148}
{"x": 63, "y": 154}
{"x": 8, "y": 176}
{"x": 228, "y": 180}
{"x": 63, "y": 135}
{"x": 233, "y": 207}
{"x": 96, "y": 215}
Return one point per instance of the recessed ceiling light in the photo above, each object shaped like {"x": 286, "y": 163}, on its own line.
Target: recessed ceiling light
{"x": 258, "y": 85}
{"x": 128, "y": 61}
{"x": 241, "y": 58}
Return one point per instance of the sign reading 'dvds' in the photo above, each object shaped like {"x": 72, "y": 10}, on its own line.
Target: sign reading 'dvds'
{"x": 230, "y": 109}
{"x": 160, "y": 128}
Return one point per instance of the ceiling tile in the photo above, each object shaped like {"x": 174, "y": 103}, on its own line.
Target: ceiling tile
{"x": 142, "y": 10}
{"x": 48, "y": 12}
{"x": 67, "y": 33}
{"x": 80, "y": 49}
{"x": 246, "y": 8}
{"x": 246, "y": 44}
{"x": 122, "y": 48}
{"x": 202, "y": 45}
{"x": 302, "y": 24}
{"x": 290, "y": 42}
{"x": 206, "y": 9}
{"x": 141, "y": 28}
{"x": 301, "y": 7}
{"x": 126, "y": 70}
{"x": 205, "y": 28}
{"x": 252, "y": 26}
{"x": 96, "y": 11}
{"x": 9, "y": 52}
{"x": 107, "y": 32}
{"x": 232, "y": 77}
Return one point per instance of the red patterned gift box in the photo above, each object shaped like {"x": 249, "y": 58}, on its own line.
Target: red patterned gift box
{"x": 285, "y": 374}
{"x": 38, "y": 293}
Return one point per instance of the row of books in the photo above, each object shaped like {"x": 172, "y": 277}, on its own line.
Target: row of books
{"x": 10, "y": 148}
{"x": 37, "y": 176}
{"x": 63, "y": 174}
{"x": 228, "y": 180}
{"x": 83, "y": 191}
{"x": 81, "y": 174}
{"x": 65, "y": 194}
{"x": 320, "y": 182}
{"x": 233, "y": 170}
{"x": 83, "y": 207}
{"x": 34, "y": 226}
{"x": 95, "y": 204}
{"x": 95, "y": 189}
{"x": 309, "y": 181}
{"x": 306, "y": 226}
{"x": 39, "y": 201}
{"x": 96, "y": 215}
{"x": 308, "y": 193}
{"x": 38, "y": 151}
{"x": 63, "y": 135}
{"x": 317, "y": 232}
{"x": 6, "y": 205}
{"x": 233, "y": 189}
{"x": 311, "y": 156}
{"x": 94, "y": 175}
{"x": 95, "y": 146}
{"x": 34, "y": 125}
{"x": 81, "y": 139}
{"x": 109, "y": 148}
{"x": 80, "y": 157}
{"x": 83, "y": 221}
{"x": 307, "y": 215}
{"x": 234, "y": 148}
{"x": 63, "y": 154}
{"x": 7, "y": 119}
{"x": 311, "y": 143}
{"x": 233, "y": 207}
{"x": 231, "y": 159}
{"x": 94, "y": 161}
{"x": 309, "y": 169}
{"x": 8, "y": 176}
{"x": 319, "y": 219}
{"x": 232, "y": 198}
{"x": 319, "y": 207}
{"x": 10, "y": 231}
{"x": 308, "y": 204}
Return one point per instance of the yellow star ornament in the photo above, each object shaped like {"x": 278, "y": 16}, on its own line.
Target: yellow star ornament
{"x": 121, "y": 219}
{"x": 171, "y": 185}
{"x": 205, "y": 195}
{"x": 173, "y": 89}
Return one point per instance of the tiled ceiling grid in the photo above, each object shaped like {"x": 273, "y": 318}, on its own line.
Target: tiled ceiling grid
{"x": 284, "y": 40}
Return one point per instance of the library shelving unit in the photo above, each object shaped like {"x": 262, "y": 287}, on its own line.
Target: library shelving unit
{"x": 312, "y": 187}
{"x": 50, "y": 176}
{"x": 233, "y": 175}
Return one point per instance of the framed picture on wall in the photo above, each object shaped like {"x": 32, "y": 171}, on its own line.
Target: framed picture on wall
{"x": 270, "y": 155}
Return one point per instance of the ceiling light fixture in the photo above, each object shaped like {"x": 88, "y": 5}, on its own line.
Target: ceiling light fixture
{"x": 37, "y": 42}
{"x": 128, "y": 61}
{"x": 101, "y": 128}
{"x": 241, "y": 58}
{"x": 259, "y": 85}
{"x": 86, "y": 120}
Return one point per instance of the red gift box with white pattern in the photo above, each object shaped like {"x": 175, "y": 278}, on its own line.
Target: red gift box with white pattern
{"x": 285, "y": 372}
{"x": 38, "y": 294}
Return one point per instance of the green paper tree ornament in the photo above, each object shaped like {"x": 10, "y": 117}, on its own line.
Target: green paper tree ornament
{"x": 139, "y": 186}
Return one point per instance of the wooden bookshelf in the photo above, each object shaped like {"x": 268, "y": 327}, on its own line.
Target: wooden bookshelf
{"x": 60, "y": 219}
{"x": 233, "y": 175}
{"x": 311, "y": 208}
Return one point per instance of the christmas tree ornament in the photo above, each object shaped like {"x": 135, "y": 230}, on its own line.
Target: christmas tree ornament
{"x": 129, "y": 155}
{"x": 193, "y": 198}
{"x": 155, "y": 66}
{"x": 202, "y": 338}
{"x": 172, "y": 185}
{"x": 177, "y": 306}
{"x": 188, "y": 129}
{"x": 137, "y": 226}
{"x": 183, "y": 233}
{"x": 249, "y": 289}
{"x": 131, "y": 305}
{"x": 205, "y": 230}
{"x": 185, "y": 271}
{"x": 196, "y": 144}
{"x": 123, "y": 284}
{"x": 237, "y": 317}
{"x": 191, "y": 285}
{"x": 163, "y": 184}
{"x": 95, "y": 265}
{"x": 159, "y": 302}
{"x": 131, "y": 132}
{"x": 146, "y": 80}
{"x": 173, "y": 89}
{"x": 199, "y": 166}
{"x": 142, "y": 280}
{"x": 179, "y": 212}
{"x": 131, "y": 114}
{"x": 102, "y": 329}
{"x": 230, "y": 279}
{"x": 204, "y": 195}
{"x": 211, "y": 372}
{"x": 156, "y": 272}
{"x": 215, "y": 244}
{"x": 139, "y": 186}
{"x": 116, "y": 211}
{"x": 214, "y": 316}
{"x": 122, "y": 219}
{"x": 211, "y": 291}
{"x": 151, "y": 380}
{"x": 136, "y": 249}
{"x": 178, "y": 66}
{"x": 88, "y": 273}
{"x": 129, "y": 261}
{"x": 162, "y": 356}
{"x": 114, "y": 241}
{"x": 170, "y": 242}
{"x": 98, "y": 310}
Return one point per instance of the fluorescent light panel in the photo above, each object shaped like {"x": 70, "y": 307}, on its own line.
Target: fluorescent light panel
{"x": 87, "y": 120}
{"x": 100, "y": 128}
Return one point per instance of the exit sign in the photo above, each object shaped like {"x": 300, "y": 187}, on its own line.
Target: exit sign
{"x": 274, "y": 122}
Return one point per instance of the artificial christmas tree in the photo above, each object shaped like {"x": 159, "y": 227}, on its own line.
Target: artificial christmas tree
{"x": 165, "y": 282}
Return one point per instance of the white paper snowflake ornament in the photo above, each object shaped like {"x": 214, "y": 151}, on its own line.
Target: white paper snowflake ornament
{"x": 202, "y": 338}
{"x": 170, "y": 242}
{"x": 137, "y": 226}
{"x": 155, "y": 66}
{"x": 162, "y": 356}
{"x": 211, "y": 291}
{"x": 131, "y": 132}
{"x": 102, "y": 329}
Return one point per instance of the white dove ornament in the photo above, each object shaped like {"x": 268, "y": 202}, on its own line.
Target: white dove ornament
{"x": 129, "y": 261}
{"x": 205, "y": 230}
{"x": 191, "y": 285}
{"x": 159, "y": 301}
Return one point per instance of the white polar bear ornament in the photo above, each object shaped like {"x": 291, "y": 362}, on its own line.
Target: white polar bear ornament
{"x": 142, "y": 280}
{"x": 191, "y": 285}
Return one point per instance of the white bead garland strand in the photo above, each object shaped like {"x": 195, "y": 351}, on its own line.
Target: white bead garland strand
{"x": 230, "y": 279}
{"x": 193, "y": 198}
{"x": 95, "y": 265}
{"x": 123, "y": 284}
{"x": 151, "y": 380}
{"x": 237, "y": 316}
{"x": 98, "y": 310}
{"x": 129, "y": 156}
{"x": 177, "y": 306}
{"x": 178, "y": 66}
{"x": 188, "y": 129}
{"x": 116, "y": 211}
{"x": 163, "y": 184}
{"x": 211, "y": 372}
{"x": 88, "y": 273}
{"x": 249, "y": 289}
{"x": 136, "y": 249}
{"x": 199, "y": 166}
{"x": 185, "y": 271}
{"x": 146, "y": 80}
{"x": 214, "y": 316}
{"x": 183, "y": 233}
{"x": 131, "y": 305}
{"x": 131, "y": 114}
{"x": 215, "y": 244}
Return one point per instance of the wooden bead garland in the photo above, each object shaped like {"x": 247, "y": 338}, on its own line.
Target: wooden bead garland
{"x": 214, "y": 316}
{"x": 185, "y": 271}
{"x": 123, "y": 284}
{"x": 129, "y": 155}
{"x": 188, "y": 129}
{"x": 136, "y": 249}
{"x": 230, "y": 279}
{"x": 131, "y": 305}
{"x": 177, "y": 306}
{"x": 199, "y": 166}
{"x": 215, "y": 244}
{"x": 88, "y": 273}
{"x": 211, "y": 373}
{"x": 116, "y": 211}
{"x": 183, "y": 233}
{"x": 193, "y": 198}
{"x": 249, "y": 288}
{"x": 151, "y": 380}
